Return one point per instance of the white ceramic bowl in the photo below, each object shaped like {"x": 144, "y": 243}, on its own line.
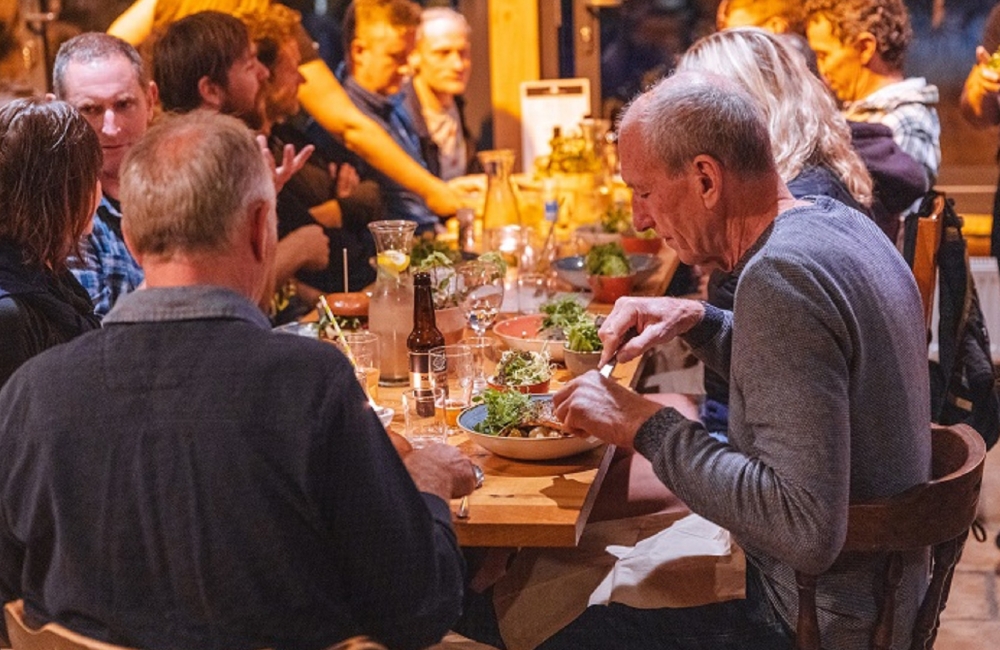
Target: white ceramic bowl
{"x": 523, "y": 448}
{"x": 521, "y": 333}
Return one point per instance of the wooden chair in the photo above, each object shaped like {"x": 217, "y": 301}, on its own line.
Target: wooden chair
{"x": 922, "y": 251}
{"x": 50, "y": 636}
{"x": 935, "y": 514}
{"x": 53, "y": 636}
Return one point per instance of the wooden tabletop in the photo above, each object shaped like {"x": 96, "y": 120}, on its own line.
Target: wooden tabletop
{"x": 536, "y": 503}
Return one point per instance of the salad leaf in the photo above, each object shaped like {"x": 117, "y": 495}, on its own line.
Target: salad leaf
{"x": 523, "y": 368}
{"x": 608, "y": 260}
{"x": 426, "y": 246}
{"x": 562, "y": 313}
{"x": 504, "y": 409}
{"x": 582, "y": 337}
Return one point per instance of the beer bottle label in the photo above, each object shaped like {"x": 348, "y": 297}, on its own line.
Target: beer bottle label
{"x": 420, "y": 377}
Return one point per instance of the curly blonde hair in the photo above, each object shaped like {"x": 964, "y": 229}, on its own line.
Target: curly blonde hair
{"x": 806, "y": 128}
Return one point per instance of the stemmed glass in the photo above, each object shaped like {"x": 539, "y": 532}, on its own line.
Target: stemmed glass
{"x": 480, "y": 287}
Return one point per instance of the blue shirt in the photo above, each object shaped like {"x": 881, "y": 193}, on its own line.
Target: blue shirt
{"x": 389, "y": 113}
{"x": 106, "y": 268}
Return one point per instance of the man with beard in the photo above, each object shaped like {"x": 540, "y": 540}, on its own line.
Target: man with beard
{"x": 207, "y": 62}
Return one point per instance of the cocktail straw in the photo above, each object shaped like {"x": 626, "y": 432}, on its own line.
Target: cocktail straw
{"x": 340, "y": 334}
{"x": 346, "y": 283}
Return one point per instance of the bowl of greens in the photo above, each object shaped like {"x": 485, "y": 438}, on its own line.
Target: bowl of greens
{"x": 644, "y": 241}
{"x": 522, "y": 371}
{"x": 609, "y": 273}
{"x": 582, "y": 349}
{"x": 572, "y": 270}
{"x": 516, "y": 425}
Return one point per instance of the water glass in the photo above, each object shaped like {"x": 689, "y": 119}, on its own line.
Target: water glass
{"x": 485, "y": 354}
{"x": 453, "y": 369}
{"x": 365, "y": 351}
{"x": 424, "y": 425}
{"x": 533, "y": 290}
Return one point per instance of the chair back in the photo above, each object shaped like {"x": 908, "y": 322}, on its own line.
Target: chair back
{"x": 936, "y": 514}
{"x": 923, "y": 239}
{"x": 50, "y": 636}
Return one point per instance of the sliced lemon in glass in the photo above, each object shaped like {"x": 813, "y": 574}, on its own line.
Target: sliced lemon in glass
{"x": 393, "y": 261}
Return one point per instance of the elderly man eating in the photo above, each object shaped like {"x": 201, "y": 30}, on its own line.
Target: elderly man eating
{"x": 826, "y": 355}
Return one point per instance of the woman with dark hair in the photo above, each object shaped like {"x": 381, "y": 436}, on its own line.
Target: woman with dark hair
{"x": 49, "y": 161}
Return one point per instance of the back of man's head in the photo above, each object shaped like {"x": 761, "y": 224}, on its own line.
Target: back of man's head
{"x": 886, "y": 20}
{"x": 91, "y": 47}
{"x": 189, "y": 185}
{"x": 205, "y": 44}
{"x": 694, "y": 113}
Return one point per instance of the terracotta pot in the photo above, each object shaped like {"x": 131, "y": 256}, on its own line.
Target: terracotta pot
{"x": 609, "y": 289}
{"x": 451, "y": 322}
{"x": 580, "y": 362}
{"x": 642, "y": 245}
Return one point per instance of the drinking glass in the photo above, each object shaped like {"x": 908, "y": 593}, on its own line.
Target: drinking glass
{"x": 453, "y": 370}
{"x": 423, "y": 424}
{"x": 365, "y": 352}
{"x": 485, "y": 354}
{"x": 480, "y": 287}
{"x": 533, "y": 290}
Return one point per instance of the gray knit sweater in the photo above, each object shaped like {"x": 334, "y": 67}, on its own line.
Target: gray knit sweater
{"x": 827, "y": 359}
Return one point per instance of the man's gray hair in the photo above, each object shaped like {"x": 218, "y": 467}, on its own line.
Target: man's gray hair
{"x": 90, "y": 47}
{"x": 190, "y": 182}
{"x": 694, "y": 113}
{"x": 432, "y": 14}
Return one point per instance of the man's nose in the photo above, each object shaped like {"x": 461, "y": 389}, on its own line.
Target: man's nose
{"x": 109, "y": 123}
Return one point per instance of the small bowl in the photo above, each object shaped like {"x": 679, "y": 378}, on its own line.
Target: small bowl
{"x": 642, "y": 244}
{"x": 609, "y": 289}
{"x": 580, "y": 362}
{"x": 530, "y": 389}
{"x": 520, "y": 333}
{"x": 353, "y": 304}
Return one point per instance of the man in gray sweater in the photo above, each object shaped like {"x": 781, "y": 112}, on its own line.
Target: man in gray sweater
{"x": 826, "y": 354}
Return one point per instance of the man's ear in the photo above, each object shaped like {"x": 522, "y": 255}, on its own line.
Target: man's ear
{"x": 708, "y": 175}
{"x": 866, "y": 45}
{"x": 211, "y": 93}
{"x": 261, "y": 225}
{"x": 153, "y": 97}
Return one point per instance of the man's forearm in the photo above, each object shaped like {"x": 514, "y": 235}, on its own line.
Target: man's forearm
{"x": 324, "y": 98}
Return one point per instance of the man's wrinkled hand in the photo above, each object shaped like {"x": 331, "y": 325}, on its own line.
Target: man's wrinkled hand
{"x": 441, "y": 470}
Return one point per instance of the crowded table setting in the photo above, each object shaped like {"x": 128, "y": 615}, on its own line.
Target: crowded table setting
{"x": 395, "y": 324}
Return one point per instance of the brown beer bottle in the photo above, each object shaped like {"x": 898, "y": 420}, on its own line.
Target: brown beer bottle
{"x": 425, "y": 334}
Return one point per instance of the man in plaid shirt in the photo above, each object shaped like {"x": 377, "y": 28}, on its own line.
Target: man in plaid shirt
{"x": 860, "y": 45}
{"x": 103, "y": 77}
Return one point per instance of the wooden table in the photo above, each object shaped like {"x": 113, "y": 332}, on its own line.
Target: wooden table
{"x": 536, "y": 503}
{"x": 539, "y": 503}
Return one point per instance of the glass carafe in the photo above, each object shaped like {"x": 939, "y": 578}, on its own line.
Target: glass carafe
{"x": 390, "y": 314}
{"x": 501, "y": 204}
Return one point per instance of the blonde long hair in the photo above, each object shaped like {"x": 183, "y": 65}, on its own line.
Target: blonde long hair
{"x": 806, "y": 128}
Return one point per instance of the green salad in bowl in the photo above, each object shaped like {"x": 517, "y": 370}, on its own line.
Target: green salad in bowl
{"x": 522, "y": 370}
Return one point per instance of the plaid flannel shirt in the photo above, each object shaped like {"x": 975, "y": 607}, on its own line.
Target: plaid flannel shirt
{"x": 105, "y": 267}
{"x": 907, "y": 108}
